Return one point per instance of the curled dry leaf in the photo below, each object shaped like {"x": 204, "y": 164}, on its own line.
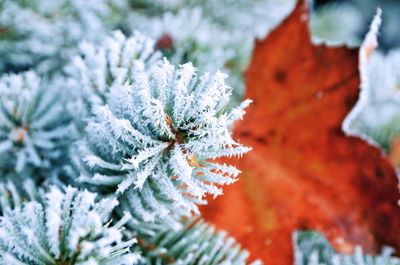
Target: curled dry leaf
{"x": 304, "y": 172}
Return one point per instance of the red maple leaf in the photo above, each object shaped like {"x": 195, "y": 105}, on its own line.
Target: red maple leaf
{"x": 304, "y": 172}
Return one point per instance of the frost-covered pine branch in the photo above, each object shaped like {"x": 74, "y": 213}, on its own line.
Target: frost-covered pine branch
{"x": 152, "y": 139}
{"x": 35, "y": 129}
{"x": 196, "y": 243}
{"x": 69, "y": 227}
{"x": 205, "y": 32}
{"x": 13, "y": 192}
{"x": 44, "y": 33}
{"x": 97, "y": 68}
{"x": 311, "y": 248}
{"x": 191, "y": 36}
{"x": 253, "y": 17}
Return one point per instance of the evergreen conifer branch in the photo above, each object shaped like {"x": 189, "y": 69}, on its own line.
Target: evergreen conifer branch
{"x": 227, "y": 50}
{"x": 53, "y": 31}
{"x": 13, "y": 192}
{"x": 35, "y": 128}
{"x": 98, "y": 68}
{"x": 153, "y": 127}
{"x": 206, "y": 34}
{"x": 67, "y": 228}
{"x": 196, "y": 242}
{"x": 311, "y": 248}
{"x": 149, "y": 129}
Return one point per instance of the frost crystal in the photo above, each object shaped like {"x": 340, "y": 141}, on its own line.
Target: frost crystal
{"x": 54, "y": 30}
{"x": 35, "y": 129}
{"x": 196, "y": 242}
{"x": 68, "y": 228}
{"x": 378, "y": 117}
{"x": 311, "y": 248}
{"x": 206, "y": 34}
{"x": 153, "y": 138}
{"x": 98, "y": 68}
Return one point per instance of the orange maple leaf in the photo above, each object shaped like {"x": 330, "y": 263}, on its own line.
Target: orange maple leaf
{"x": 304, "y": 172}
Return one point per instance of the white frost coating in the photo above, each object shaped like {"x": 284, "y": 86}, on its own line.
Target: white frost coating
{"x": 53, "y": 219}
{"x": 70, "y": 224}
{"x": 368, "y": 45}
{"x": 54, "y": 30}
{"x": 99, "y": 69}
{"x": 197, "y": 242}
{"x": 35, "y": 128}
{"x": 311, "y": 248}
{"x": 206, "y": 34}
{"x": 376, "y": 117}
{"x": 336, "y": 24}
{"x": 379, "y": 119}
{"x": 153, "y": 126}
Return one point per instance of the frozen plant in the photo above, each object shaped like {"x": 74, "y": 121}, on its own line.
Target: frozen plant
{"x": 13, "y": 192}
{"x": 378, "y": 117}
{"x": 153, "y": 139}
{"x": 35, "y": 129}
{"x": 196, "y": 243}
{"x": 200, "y": 41}
{"x": 44, "y": 33}
{"x": 253, "y": 18}
{"x": 206, "y": 34}
{"x": 346, "y": 22}
{"x": 67, "y": 228}
{"x": 337, "y": 24}
{"x": 311, "y": 248}
{"x": 98, "y": 68}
